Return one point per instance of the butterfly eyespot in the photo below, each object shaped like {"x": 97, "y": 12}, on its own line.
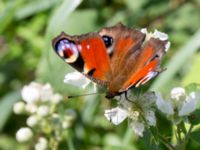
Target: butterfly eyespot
{"x": 67, "y": 50}
{"x": 108, "y": 41}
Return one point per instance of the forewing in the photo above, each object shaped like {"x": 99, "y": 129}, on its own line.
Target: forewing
{"x": 86, "y": 53}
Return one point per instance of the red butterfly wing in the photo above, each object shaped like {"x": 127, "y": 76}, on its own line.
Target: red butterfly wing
{"x": 86, "y": 53}
{"x": 133, "y": 60}
{"x": 118, "y": 56}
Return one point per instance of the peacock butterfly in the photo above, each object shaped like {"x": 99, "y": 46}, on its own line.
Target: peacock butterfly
{"x": 117, "y": 57}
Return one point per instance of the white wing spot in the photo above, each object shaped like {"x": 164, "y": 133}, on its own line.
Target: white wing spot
{"x": 88, "y": 46}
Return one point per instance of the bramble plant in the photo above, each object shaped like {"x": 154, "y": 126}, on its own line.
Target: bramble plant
{"x": 35, "y": 109}
{"x": 49, "y": 126}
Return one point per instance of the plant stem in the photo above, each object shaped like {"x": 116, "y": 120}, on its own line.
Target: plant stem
{"x": 166, "y": 143}
{"x": 187, "y": 137}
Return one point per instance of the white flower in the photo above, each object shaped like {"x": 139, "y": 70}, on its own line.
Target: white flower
{"x": 46, "y": 92}
{"x": 178, "y": 93}
{"x": 150, "y": 117}
{"x": 19, "y": 107}
{"x": 76, "y": 79}
{"x": 31, "y": 108}
{"x": 43, "y": 110}
{"x": 157, "y": 34}
{"x": 24, "y": 134}
{"x": 31, "y": 93}
{"x": 42, "y": 144}
{"x": 163, "y": 105}
{"x": 32, "y": 121}
{"x": 160, "y": 35}
{"x": 189, "y": 105}
{"x": 56, "y": 98}
{"x": 182, "y": 103}
{"x": 116, "y": 115}
{"x": 137, "y": 127}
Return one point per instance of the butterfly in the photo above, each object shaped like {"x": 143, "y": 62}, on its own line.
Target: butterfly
{"x": 116, "y": 57}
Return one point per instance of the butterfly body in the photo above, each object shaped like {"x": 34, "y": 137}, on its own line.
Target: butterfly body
{"x": 117, "y": 57}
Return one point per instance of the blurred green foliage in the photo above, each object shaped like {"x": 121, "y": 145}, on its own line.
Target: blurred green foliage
{"x": 27, "y": 28}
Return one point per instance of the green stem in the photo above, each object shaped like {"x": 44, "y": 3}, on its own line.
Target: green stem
{"x": 186, "y": 139}
{"x": 166, "y": 143}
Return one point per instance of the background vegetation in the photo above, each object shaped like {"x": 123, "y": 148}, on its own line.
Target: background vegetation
{"x": 27, "y": 28}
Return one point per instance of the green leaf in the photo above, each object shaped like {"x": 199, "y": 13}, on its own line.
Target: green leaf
{"x": 34, "y": 7}
{"x": 61, "y": 16}
{"x": 195, "y": 136}
{"x": 193, "y": 87}
{"x": 7, "y": 14}
{"x": 194, "y": 118}
{"x": 6, "y": 105}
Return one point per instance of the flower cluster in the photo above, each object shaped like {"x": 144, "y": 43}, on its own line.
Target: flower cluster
{"x": 138, "y": 109}
{"x": 179, "y": 104}
{"x": 42, "y": 106}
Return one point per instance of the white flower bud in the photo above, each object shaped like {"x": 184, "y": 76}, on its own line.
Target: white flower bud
{"x": 31, "y": 108}
{"x": 32, "y": 121}
{"x": 43, "y": 110}
{"x": 178, "y": 93}
{"x": 19, "y": 107}
{"x": 31, "y": 93}
{"x": 46, "y": 92}
{"x": 24, "y": 134}
{"x": 42, "y": 144}
{"x": 76, "y": 79}
{"x": 56, "y": 98}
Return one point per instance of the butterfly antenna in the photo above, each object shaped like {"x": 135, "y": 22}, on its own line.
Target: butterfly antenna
{"x": 73, "y": 96}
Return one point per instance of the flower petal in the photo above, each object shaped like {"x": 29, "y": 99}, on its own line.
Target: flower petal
{"x": 46, "y": 92}
{"x": 137, "y": 127}
{"x": 76, "y": 79}
{"x": 150, "y": 117}
{"x": 163, "y": 105}
{"x": 189, "y": 105}
{"x": 157, "y": 34}
{"x": 160, "y": 35}
{"x": 116, "y": 115}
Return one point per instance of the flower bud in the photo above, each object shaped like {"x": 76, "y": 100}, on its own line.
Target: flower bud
{"x": 24, "y": 134}
{"x": 43, "y": 110}
{"x": 19, "y": 107}
{"x": 42, "y": 144}
{"x": 32, "y": 120}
